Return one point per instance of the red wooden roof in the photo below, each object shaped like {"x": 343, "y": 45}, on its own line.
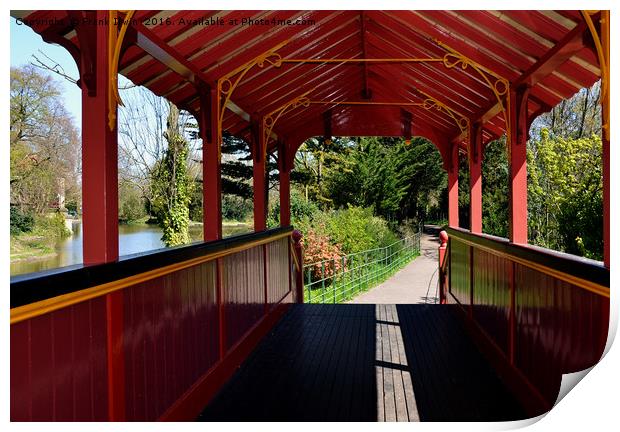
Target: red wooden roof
{"x": 550, "y": 50}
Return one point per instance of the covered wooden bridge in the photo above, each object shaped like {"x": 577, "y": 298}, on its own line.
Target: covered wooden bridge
{"x": 158, "y": 336}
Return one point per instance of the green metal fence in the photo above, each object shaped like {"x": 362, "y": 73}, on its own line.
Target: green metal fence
{"x": 340, "y": 279}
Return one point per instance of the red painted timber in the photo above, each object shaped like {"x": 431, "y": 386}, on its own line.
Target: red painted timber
{"x": 453, "y": 188}
{"x": 518, "y": 167}
{"x": 99, "y": 161}
{"x": 475, "y": 178}
{"x": 211, "y": 169}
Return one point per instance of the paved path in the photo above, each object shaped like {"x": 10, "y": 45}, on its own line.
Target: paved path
{"x": 414, "y": 284}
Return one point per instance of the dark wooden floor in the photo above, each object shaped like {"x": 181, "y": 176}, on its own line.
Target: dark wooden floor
{"x": 365, "y": 363}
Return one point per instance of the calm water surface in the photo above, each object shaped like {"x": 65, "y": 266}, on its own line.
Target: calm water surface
{"x": 132, "y": 239}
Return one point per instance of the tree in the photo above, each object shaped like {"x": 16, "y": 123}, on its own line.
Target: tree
{"x": 314, "y": 157}
{"x": 495, "y": 175}
{"x": 44, "y": 143}
{"x": 171, "y": 186}
{"x": 565, "y": 194}
{"x": 142, "y": 127}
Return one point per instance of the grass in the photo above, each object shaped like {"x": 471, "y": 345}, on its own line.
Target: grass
{"x": 27, "y": 246}
{"x": 352, "y": 282}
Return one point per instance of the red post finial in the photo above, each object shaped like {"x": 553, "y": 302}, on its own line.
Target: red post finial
{"x": 299, "y": 251}
{"x": 443, "y": 238}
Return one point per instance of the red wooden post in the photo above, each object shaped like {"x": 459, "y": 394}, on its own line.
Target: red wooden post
{"x": 453, "y": 187}
{"x": 285, "y": 186}
{"x": 606, "y": 136}
{"x": 299, "y": 275}
{"x": 99, "y": 149}
{"x": 259, "y": 172}
{"x": 518, "y": 164}
{"x": 475, "y": 175}
{"x": 211, "y": 170}
{"x": 443, "y": 239}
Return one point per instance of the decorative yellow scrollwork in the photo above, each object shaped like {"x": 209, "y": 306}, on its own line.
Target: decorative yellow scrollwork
{"x": 227, "y": 84}
{"x": 272, "y": 118}
{"x": 601, "y": 42}
{"x": 499, "y": 85}
{"x": 431, "y": 103}
{"x": 115, "y": 43}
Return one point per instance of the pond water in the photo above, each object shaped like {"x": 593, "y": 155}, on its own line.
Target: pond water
{"x": 132, "y": 239}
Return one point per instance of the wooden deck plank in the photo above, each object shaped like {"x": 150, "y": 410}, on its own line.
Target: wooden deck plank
{"x": 364, "y": 363}
{"x": 399, "y": 390}
{"x": 388, "y": 375}
{"x": 412, "y": 408}
{"x": 379, "y": 368}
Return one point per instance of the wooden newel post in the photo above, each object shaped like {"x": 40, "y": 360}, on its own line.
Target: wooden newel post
{"x": 299, "y": 275}
{"x": 443, "y": 238}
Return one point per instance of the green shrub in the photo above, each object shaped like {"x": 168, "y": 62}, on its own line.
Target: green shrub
{"x": 52, "y": 227}
{"x": 20, "y": 221}
{"x": 236, "y": 208}
{"x": 356, "y": 229}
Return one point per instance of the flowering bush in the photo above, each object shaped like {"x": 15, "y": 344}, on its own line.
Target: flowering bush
{"x": 318, "y": 247}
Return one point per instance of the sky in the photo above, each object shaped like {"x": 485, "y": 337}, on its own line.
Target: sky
{"x": 25, "y": 42}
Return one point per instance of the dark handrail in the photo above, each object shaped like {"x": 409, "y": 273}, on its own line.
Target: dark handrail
{"x": 578, "y": 267}
{"x": 34, "y": 287}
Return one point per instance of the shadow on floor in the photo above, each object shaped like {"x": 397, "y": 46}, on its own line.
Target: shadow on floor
{"x": 364, "y": 363}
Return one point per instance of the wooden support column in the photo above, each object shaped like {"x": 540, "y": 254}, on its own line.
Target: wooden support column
{"x": 517, "y": 152}
{"x": 259, "y": 174}
{"x": 285, "y": 185}
{"x": 99, "y": 148}
{"x": 453, "y": 187}
{"x": 475, "y": 176}
{"x": 606, "y": 136}
{"x": 211, "y": 169}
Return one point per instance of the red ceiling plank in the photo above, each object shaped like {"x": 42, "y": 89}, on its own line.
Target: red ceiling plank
{"x": 573, "y": 15}
{"x": 284, "y": 81}
{"x": 561, "y": 52}
{"x": 265, "y": 80}
{"x": 433, "y": 117}
{"x": 413, "y": 95}
{"x": 158, "y": 49}
{"x": 300, "y": 115}
{"x": 349, "y": 81}
{"x": 365, "y": 89}
{"x": 165, "y": 32}
{"x": 244, "y": 43}
{"x": 265, "y": 83}
{"x": 249, "y": 48}
{"x": 192, "y": 44}
{"x": 538, "y": 23}
{"x": 490, "y": 24}
{"x": 424, "y": 27}
{"x": 435, "y": 74}
{"x": 467, "y": 80}
{"x": 435, "y": 82}
{"x": 490, "y": 47}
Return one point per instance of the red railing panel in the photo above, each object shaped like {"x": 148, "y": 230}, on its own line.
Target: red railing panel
{"x": 460, "y": 272}
{"x": 491, "y": 305}
{"x": 560, "y": 328}
{"x": 164, "y": 320}
{"x": 278, "y": 278}
{"x": 244, "y": 292}
{"x": 163, "y": 357}
{"x": 58, "y": 365}
{"x": 543, "y": 313}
